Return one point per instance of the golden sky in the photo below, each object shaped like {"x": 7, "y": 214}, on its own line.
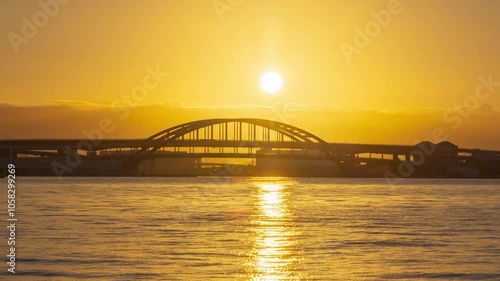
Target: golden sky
{"x": 427, "y": 57}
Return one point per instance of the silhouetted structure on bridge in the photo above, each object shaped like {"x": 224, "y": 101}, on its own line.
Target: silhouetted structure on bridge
{"x": 269, "y": 147}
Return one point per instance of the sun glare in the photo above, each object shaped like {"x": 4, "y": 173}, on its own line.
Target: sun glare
{"x": 271, "y": 82}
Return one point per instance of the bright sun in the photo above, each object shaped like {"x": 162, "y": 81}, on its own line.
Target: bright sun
{"x": 271, "y": 82}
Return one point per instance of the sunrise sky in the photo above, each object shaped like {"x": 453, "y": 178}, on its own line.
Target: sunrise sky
{"x": 421, "y": 66}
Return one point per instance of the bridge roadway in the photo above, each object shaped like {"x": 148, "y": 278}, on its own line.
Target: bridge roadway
{"x": 122, "y": 148}
{"x": 108, "y": 144}
{"x": 114, "y": 144}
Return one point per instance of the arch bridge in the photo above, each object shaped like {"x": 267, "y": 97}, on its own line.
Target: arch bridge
{"x": 222, "y": 138}
{"x": 264, "y": 140}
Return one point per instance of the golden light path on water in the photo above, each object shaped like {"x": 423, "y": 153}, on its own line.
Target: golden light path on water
{"x": 272, "y": 253}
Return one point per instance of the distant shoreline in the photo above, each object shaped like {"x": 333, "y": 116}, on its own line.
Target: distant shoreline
{"x": 244, "y": 176}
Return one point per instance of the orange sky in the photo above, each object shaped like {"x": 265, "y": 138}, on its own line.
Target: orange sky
{"x": 426, "y": 58}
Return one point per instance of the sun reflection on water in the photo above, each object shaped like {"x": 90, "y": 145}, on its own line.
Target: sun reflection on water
{"x": 272, "y": 254}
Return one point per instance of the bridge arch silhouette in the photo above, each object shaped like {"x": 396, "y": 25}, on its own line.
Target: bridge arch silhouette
{"x": 258, "y": 136}
{"x": 292, "y": 132}
{"x": 247, "y": 132}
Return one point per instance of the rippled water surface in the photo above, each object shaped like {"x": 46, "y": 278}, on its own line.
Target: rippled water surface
{"x": 256, "y": 229}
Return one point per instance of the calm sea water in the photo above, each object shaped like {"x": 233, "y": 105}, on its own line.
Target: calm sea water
{"x": 256, "y": 229}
